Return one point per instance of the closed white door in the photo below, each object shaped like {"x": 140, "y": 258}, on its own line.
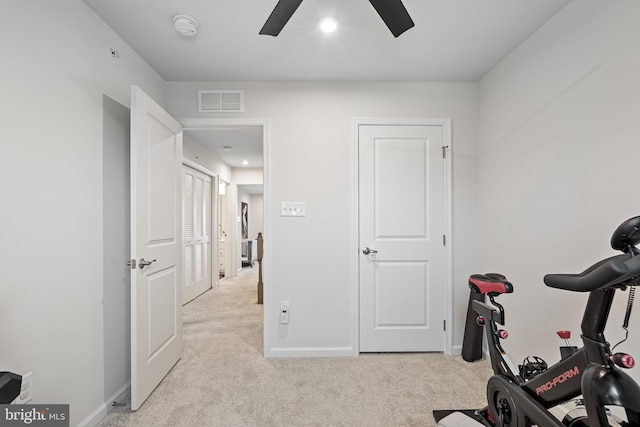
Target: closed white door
{"x": 196, "y": 233}
{"x": 156, "y": 246}
{"x": 401, "y": 228}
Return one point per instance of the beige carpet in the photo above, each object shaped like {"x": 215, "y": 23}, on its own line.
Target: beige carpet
{"x": 223, "y": 379}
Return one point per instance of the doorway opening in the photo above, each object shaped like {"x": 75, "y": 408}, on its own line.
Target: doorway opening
{"x": 222, "y": 227}
{"x": 236, "y": 151}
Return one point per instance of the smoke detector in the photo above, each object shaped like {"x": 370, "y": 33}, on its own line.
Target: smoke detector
{"x": 185, "y": 25}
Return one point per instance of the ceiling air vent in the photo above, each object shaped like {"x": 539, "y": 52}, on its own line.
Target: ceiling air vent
{"x": 220, "y": 101}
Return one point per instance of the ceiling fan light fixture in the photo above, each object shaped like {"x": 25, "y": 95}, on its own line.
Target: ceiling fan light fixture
{"x": 185, "y": 25}
{"x": 392, "y": 12}
{"x": 328, "y": 25}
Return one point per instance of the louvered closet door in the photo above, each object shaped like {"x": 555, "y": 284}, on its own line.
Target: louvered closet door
{"x": 197, "y": 233}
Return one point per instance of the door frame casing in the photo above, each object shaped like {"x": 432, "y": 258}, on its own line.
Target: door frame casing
{"x": 212, "y": 123}
{"x": 448, "y": 216}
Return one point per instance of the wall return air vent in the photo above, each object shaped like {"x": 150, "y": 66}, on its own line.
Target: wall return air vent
{"x": 220, "y": 101}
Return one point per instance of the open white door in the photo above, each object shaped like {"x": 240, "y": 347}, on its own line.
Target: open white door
{"x": 156, "y": 245}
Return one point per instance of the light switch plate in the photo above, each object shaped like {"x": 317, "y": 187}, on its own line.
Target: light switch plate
{"x": 292, "y": 209}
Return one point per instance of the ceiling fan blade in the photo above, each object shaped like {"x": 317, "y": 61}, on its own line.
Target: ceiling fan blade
{"x": 394, "y": 14}
{"x": 279, "y": 17}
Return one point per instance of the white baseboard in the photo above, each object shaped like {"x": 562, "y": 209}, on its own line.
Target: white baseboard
{"x": 96, "y": 416}
{"x": 456, "y": 350}
{"x": 312, "y": 352}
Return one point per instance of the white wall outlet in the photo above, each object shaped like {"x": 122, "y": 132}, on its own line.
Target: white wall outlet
{"x": 26, "y": 389}
{"x": 293, "y": 209}
{"x": 284, "y": 312}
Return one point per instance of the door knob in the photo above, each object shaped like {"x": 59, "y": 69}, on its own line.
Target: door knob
{"x": 142, "y": 263}
{"x": 368, "y": 251}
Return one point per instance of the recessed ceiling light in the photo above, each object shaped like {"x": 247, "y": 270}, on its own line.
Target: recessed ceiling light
{"x": 244, "y": 162}
{"x": 328, "y": 25}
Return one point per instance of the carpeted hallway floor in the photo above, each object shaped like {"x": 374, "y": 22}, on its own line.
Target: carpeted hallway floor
{"x": 223, "y": 379}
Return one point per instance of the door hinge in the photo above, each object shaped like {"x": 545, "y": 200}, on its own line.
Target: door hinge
{"x": 444, "y": 240}
{"x": 444, "y": 151}
{"x": 444, "y": 325}
{"x": 132, "y": 264}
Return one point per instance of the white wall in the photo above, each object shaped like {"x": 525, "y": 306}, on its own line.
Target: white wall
{"x": 311, "y": 160}
{"x": 52, "y": 318}
{"x": 247, "y": 176}
{"x": 558, "y": 140}
{"x": 194, "y": 152}
{"x": 256, "y": 215}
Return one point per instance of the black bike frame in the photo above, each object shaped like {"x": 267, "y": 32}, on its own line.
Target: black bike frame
{"x": 589, "y": 371}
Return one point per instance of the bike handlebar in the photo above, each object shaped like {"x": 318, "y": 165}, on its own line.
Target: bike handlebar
{"x": 607, "y": 273}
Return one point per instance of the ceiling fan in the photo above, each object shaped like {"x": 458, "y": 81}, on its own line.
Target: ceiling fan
{"x": 392, "y": 12}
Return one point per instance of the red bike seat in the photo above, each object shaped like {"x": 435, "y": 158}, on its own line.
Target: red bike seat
{"x": 490, "y": 284}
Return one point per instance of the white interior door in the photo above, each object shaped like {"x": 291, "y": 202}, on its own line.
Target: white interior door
{"x": 156, "y": 225}
{"x": 402, "y": 253}
{"x": 196, "y": 233}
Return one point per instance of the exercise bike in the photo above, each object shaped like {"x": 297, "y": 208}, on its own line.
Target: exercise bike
{"x": 523, "y": 397}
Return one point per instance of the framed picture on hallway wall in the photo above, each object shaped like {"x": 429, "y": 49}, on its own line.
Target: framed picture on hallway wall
{"x": 245, "y": 221}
